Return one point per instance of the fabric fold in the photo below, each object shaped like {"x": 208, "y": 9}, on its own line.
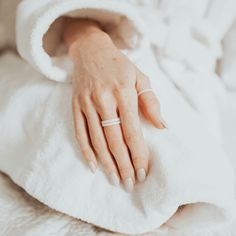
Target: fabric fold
{"x": 188, "y": 167}
{"x": 190, "y": 184}
{"x": 37, "y": 17}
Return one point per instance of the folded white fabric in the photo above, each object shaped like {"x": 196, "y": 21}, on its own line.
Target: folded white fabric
{"x": 34, "y": 218}
{"x": 228, "y": 64}
{"x": 39, "y": 152}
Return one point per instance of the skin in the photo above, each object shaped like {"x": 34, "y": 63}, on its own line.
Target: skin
{"x": 105, "y": 84}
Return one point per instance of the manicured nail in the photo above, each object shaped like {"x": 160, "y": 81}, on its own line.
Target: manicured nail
{"x": 128, "y": 184}
{"x": 114, "y": 179}
{"x": 164, "y": 124}
{"x": 92, "y": 166}
{"x": 141, "y": 174}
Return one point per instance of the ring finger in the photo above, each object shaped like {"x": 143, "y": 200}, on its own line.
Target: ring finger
{"x": 99, "y": 143}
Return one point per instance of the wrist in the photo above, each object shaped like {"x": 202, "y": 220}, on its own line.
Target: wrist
{"x": 91, "y": 41}
{"x": 84, "y": 34}
{"x": 74, "y": 29}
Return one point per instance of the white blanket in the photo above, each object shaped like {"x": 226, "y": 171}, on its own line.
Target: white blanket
{"x": 21, "y": 215}
{"x": 38, "y": 150}
{"x": 188, "y": 165}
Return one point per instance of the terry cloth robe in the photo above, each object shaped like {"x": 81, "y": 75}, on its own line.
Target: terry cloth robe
{"x": 177, "y": 44}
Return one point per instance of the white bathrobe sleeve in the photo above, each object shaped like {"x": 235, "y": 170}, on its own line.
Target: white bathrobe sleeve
{"x": 228, "y": 60}
{"x": 38, "y": 26}
{"x": 222, "y": 18}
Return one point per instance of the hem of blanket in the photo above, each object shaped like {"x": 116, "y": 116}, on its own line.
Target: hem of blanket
{"x": 27, "y": 182}
{"x": 89, "y": 218}
{"x": 135, "y": 230}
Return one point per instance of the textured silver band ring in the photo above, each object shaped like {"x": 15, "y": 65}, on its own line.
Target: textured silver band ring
{"x": 115, "y": 121}
{"x": 145, "y": 91}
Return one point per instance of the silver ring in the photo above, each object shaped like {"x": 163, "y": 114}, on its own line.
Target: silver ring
{"x": 145, "y": 91}
{"x": 115, "y": 121}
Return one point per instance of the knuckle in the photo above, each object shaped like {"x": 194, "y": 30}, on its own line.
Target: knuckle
{"x": 85, "y": 150}
{"x": 97, "y": 143}
{"x": 126, "y": 170}
{"x": 143, "y": 80}
{"x": 77, "y": 135}
{"x": 115, "y": 144}
{"x": 122, "y": 84}
{"x": 104, "y": 101}
{"x": 84, "y": 98}
{"x": 74, "y": 104}
{"x": 133, "y": 138}
{"x": 83, "y": 146}
{"x": 79, "y": 138}
{"x": 74, "y": 99}
{"x": 130, "y": 113}
{"x": 122, "y": 89}
{"x": 98, "y": 92}
{"x": 86, "y": 107}
{"x": 153, "y": 101}
{"x": 107, "y": 165}
{"x": 101, "y": 99}
{"x": 138, "y": 161}
{"x": 100, "y": 148}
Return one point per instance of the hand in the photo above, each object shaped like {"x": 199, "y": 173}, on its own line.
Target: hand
{"x": 105, "y": 85}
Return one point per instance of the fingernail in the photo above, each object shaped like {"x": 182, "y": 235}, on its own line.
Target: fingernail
{"x": 92, "y": 166}
{"x": 141, "y": 174}
{"x": 128, "y": 184}
{"x": 114, "y": 179}
{"x": 164, "y": 124}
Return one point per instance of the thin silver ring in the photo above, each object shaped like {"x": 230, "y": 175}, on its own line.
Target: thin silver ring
{"x": 115, "y": 121}
{"x": 145, "y": 91}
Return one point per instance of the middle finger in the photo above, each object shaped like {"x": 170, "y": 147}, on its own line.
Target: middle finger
{"x": 128, "y": 108}
{"x": 118, "y": 147}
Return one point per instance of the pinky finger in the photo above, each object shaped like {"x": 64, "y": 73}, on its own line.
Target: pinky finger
{"x": 81, "y": 133}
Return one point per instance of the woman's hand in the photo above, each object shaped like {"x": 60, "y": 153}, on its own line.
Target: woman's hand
{"x": 105, "y": 86}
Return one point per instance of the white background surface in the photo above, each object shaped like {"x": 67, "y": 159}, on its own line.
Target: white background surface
{"x": 229, "y": 127}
